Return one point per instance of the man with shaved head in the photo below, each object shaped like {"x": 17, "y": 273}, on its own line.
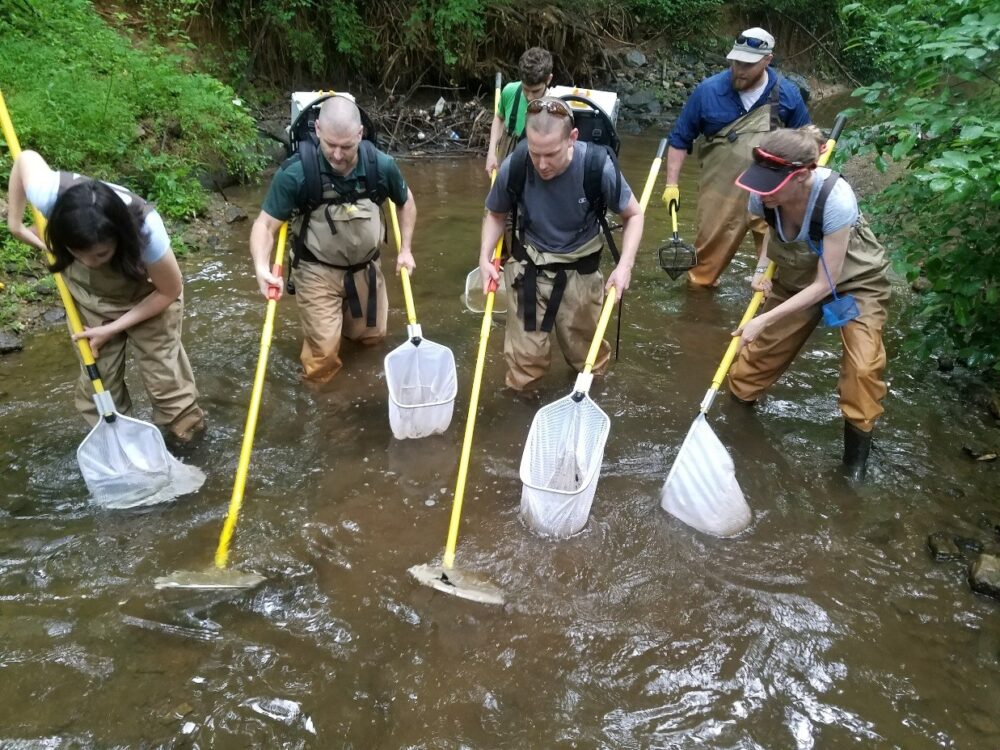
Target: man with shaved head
{"x": 332, "y": 190}
{"x": 553, "y": 278}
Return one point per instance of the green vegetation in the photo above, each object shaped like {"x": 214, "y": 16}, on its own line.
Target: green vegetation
{"x": 938, "y": 112}
{"x": 88, "y": 100}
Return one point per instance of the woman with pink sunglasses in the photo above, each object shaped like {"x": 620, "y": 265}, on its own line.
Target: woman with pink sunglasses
{"x": 829, "y": 266}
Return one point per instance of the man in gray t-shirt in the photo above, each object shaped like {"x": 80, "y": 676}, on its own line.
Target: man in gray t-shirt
{"x": 553, "y": 275}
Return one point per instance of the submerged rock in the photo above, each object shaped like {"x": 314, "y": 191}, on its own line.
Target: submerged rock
{"x": 234, "y": 213}
{"x": 984, "y": 575}
{"x": 943, "y": 547}
{"x": 968, "y": 545}
{"x": 10, "y": 343}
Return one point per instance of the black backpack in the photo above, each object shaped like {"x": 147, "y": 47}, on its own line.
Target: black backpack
{"x": 596, "y": 129}
{"x": 302, "y": 140}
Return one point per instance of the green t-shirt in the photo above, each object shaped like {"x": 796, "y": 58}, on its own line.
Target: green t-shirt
{"x": 288, "y": 188}
{"x": 510, "y": 94}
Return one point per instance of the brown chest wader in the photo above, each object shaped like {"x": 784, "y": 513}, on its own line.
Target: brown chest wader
{"x": 723, "y": 219}
{"x": 344, "y": 232}
{"x": 102, "y": 294}
{"x": 761, "y": 362}
{"x": 584, "y": 259}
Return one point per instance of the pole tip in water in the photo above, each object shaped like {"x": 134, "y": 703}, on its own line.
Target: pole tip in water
{"x": 210, "y": 579}
{"x": 458, "y": 583}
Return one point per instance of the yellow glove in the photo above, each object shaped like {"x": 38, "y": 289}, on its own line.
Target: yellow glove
{"x": 672, "y": 194}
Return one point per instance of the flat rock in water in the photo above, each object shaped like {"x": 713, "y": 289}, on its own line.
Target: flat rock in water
{"x": 984, "y": 575}
{"x": 53, "y": 316}
{"x": 943, "y": 547}
{"x": 10, "y": 343}
{"x": 234, "y": 213}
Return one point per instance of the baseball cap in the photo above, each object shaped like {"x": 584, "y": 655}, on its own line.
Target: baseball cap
{"x": 751, "y": 45}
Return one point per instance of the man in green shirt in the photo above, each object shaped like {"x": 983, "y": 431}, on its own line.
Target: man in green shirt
{"x": 535, "y": 68}
{"x": 338, "y": 281}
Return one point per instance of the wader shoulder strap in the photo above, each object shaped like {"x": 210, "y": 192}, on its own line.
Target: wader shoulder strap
{"x": 774, "y": 104}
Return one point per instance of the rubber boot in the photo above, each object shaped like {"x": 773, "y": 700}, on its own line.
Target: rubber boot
{"x": 857, "y": 446}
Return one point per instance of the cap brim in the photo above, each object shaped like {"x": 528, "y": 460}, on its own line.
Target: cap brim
{"x": 747, "y": 57}
{"x": 764, "y": 180}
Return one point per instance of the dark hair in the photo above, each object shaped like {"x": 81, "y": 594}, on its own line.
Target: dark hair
{"x": 90, "y": 213}
{"x": 535, "y": 66}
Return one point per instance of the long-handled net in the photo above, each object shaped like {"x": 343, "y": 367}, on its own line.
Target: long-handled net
{"x": 420, "y": 374}
{"x": 562, "y": 457}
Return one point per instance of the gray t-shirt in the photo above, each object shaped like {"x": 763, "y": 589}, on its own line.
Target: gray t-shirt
{"x": 560, "y": 220}
{"x": 841, "y": 208}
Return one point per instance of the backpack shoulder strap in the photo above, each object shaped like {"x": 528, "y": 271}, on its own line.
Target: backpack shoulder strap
{"x": 309, "y": 155}
{"x": 816, "y": 220}
{"x": 517, "y": 176}
{"x": 593, "y": 177}
{"x": 520, "y": 163}
{"x": 369, "y": 156}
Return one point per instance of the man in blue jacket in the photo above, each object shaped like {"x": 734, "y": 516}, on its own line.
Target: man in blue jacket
{"x": 732, "y": 111}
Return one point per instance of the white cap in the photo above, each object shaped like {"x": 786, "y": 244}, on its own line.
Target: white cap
{"x": 751, "y": 46}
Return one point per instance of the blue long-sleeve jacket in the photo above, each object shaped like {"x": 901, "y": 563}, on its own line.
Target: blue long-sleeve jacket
{"x": 714, "y": 104}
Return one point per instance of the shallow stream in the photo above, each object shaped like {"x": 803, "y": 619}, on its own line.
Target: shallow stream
{"x": 824, "y": 625}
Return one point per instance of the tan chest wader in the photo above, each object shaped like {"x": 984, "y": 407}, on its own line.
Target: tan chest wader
{"x": 863, "y": 275}
{"x": 547, "y": 283}
{"x": 103, "y": 295}
{"x": 335, "y": 266}
{"x": 723, "y": 219}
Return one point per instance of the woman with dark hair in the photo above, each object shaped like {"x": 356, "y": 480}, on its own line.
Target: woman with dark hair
{"x": 829, "y": 267}
{"x": 114, "y": 253}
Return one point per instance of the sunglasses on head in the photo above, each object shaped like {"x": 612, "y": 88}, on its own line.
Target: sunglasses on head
{"x": 556, "y": 107}
{"x": 772, "y": 161}
{"x": 750, "y": 41}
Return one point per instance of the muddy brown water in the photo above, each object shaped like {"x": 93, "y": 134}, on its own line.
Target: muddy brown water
{"x": 824, "y": 625}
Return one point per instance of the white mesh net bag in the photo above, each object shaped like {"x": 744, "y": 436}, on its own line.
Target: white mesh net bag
{"x": 561, "y": 464}
{"x": 474, "y": 299}
{"x": 701, "y": 488}
{"x": 422, "y": 386}
{"x": 125, "y": 464}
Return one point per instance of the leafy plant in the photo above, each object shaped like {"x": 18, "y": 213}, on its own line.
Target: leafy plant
{"x": 939, "y": 114}
{"x": 89, "y": 101}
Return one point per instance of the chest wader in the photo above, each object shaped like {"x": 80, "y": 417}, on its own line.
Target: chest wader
{"x": 102, "y": 295}
{"x": 723, "y": 218}
{"x": 343, "y": 232}
{"x": 860, "y": 384}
